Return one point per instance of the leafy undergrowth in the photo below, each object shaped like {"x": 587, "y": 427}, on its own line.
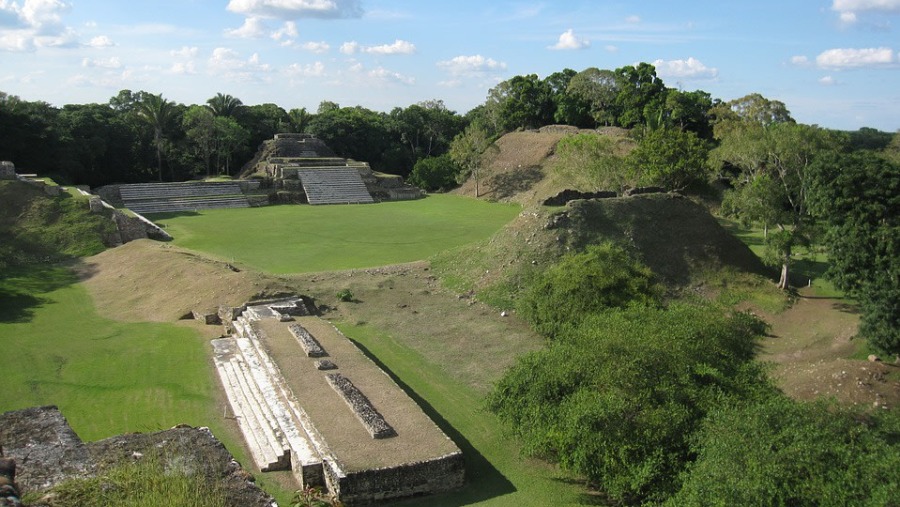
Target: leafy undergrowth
{"x": 37, "y": 228}
{"x": 143, "y": 483}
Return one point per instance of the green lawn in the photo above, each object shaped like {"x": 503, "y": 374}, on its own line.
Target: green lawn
{"x": 496, "y": 473}
{"x": 107, "y": 377}
{"x": 302, "y": 239}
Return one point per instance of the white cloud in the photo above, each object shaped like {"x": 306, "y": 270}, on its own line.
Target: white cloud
{"x": 611, "y": 48}
{"x": 475, "y": 65}
{"x": 568, "y": 40}
{"x": 856, "y": 58}
{"x": 827, "y": 81}
{"x": 253, "y": 28}
{"x": 316, "y": 69}
{"x": 685, "y": 69}
{"x": 101, "y": 41}
{"x": 34, "y": 24}
{"x": 315, "y": 47}
{"x": 228, "y": 64}
{"x": 297, "y": 9}
{"x": 103, "y": 63}
{"x": 633, "y": 19}
{"x": 848, "y": 10}
{"x": 183, "y": 68}
{"x": 399, "y": 47}
{"x": 289, "y": 30}
{"x": 385, "y": 75}
{"x": 185, "y": 52}
{"x": 800, "y": 60}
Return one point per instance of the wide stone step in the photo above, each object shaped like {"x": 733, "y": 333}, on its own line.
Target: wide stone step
{"x": 268, "y": 450}
{"x": 334, "y": 186}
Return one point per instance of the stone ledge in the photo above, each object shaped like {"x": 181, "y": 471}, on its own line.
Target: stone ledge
{"x": 309, "y": 344}
{"x": 361, "y": 406}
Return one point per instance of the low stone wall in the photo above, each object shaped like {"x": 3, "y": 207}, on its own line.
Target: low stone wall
{"x": 307, "y": 342}
{"x": 362, "y": 408}
{"x": 426, "y": 477}
{"x": 7, "y": 170}
{"x": 562, "y": 198}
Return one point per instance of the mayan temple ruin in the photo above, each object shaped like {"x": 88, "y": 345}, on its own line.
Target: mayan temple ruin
{"x": 308, "y": 400}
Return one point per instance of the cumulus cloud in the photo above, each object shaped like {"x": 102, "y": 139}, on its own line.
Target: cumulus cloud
{"x": 475, "y": 65}
{"x": 827, "y": 81}
{"x": 288, "y": 31}
{"x": 253, "y": 28}
{"x": 229, "y": 64}
{"x": 800, "y": 60}
{"x": 297, "y": 9}
{"x": 385, "y": 75}
{"x": 185, "y": 64}
{"x": 316, "y": 69}
{"x": 34, "y": 24}
{"x": 685, "y": 69}
{"x": 101, "y": 41}
{"x": 103, "y": 63}
{"x": 399, "y": 47}
{"x": 849, "y": 10}
{"x": 856, "y": 58}
{"x": 315, "y": 47}
{"x": 568, "y": 40}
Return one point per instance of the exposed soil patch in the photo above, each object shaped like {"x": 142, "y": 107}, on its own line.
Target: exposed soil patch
{"x": 148, "y": 281}
{"x": 468, "y": 340}
{"x": 811, "y": 344}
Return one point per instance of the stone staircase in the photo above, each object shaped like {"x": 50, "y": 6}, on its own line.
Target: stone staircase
{"x": 334, "y": 185}
{"x": 278, "y": 433}
{"x": 147, "y": 198}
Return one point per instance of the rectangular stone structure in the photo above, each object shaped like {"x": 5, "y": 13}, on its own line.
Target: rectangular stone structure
{"x": 361, "y": 406}
{"x": 309, "y": 344}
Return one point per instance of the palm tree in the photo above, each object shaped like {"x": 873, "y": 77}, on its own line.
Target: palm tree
{"x": 224, "y": 104}
{"x": 157, "y": 113}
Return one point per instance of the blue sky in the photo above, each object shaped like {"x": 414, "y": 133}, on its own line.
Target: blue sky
{"x": 835, "y": 63}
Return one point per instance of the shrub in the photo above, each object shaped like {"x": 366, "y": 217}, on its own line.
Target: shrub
{"x": 617, "y": 398}
{"x": 434, "y": 173}
{"x": 783, "y": 452}
{"x": 603, "y": 276}
{"x": 345, "y": 295}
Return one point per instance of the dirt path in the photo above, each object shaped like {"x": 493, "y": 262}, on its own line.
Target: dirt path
{"x": 811, "y": 345}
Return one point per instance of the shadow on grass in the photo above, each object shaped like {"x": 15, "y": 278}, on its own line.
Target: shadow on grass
{"x": 483, "y": 480}
{"x": 22, "y": 289}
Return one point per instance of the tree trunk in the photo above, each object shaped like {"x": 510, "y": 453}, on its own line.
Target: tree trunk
{"x": 784, "y": 282}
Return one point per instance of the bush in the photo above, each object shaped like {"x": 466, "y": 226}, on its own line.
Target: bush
{"x": 783, "y": 452}
{"x": 345, "y": 295}
{"x": 434, "y": 173}
{"x": 603, "y": 276}
{"x": 617, "y": 398}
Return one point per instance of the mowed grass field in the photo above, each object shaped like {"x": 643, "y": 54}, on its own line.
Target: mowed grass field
{"x": 107, "y": 377}
{"x": 303, "y": 239}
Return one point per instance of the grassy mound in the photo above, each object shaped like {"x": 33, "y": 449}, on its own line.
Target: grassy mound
{"x": 37, "y": 228}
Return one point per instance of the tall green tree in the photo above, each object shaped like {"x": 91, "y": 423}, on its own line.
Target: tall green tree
{"x": 858, "y": 197}
{"x": 598, "y": 88}
{"x": 640, "y": 96}
{"x": 520, "y": 102}
{"x": 468, "y": 151}
{"x": 158, "y": 114}
{"x": 773, "y": 187}
{"x": 200, "y": 128}
{"x": 224, "y": 105}
{"x": 669, "y": 157}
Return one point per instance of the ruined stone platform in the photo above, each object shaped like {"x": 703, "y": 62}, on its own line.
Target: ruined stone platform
{"x": 362, "y": 437}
